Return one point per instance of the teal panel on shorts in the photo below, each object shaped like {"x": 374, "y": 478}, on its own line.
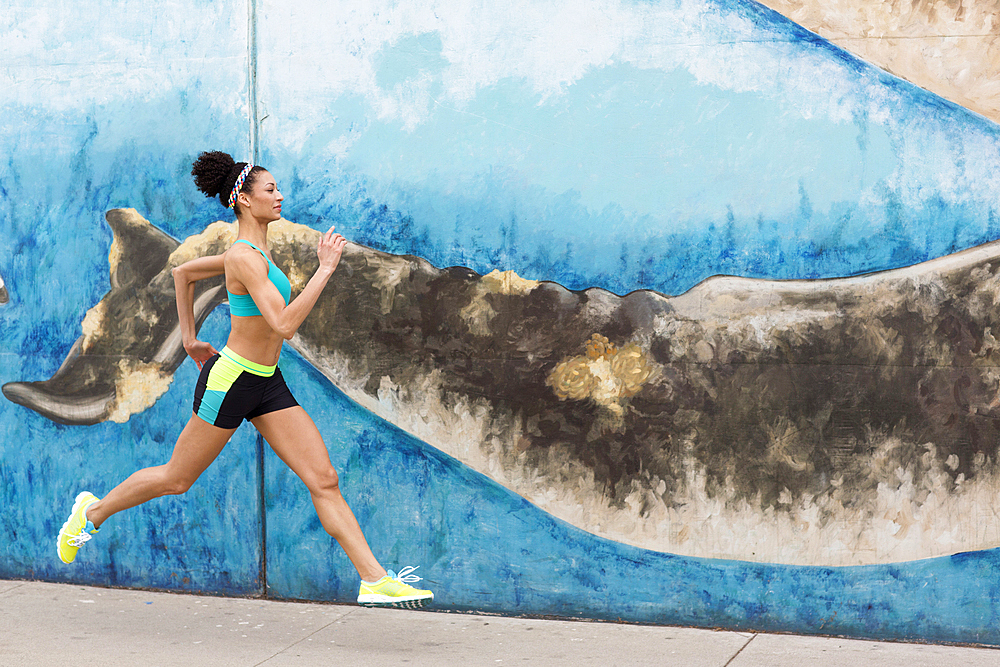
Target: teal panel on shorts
{"x": 211, "y": 401}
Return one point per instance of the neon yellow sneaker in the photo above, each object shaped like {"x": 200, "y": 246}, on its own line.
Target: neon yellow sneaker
{"x": 394, "y": 590}
{"x": 77, "y": 529}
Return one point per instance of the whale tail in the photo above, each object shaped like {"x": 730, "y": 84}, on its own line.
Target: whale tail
{"x": 131, "y": 342}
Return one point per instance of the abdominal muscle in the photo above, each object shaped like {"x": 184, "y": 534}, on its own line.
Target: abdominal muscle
{"x": 253, "y": 339}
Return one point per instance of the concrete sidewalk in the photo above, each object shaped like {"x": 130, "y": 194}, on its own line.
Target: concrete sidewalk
{"x": 58, "y": 624}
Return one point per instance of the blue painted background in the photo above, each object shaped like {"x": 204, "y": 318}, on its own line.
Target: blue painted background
{"x": 701, "y": 138}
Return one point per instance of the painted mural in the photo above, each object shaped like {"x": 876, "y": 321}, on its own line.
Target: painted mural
{"x": 952, "y": 48}
{"x": 867, "y": 409}
{"x": 531, "y": 321}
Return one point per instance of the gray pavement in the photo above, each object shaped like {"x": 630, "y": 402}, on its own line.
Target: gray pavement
{"x": 61, "y": 624}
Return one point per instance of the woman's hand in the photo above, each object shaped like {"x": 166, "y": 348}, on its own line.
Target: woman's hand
{"x": 331, "y": 247}
{"x": 200, "y": 352}
{"x": 284, "y": 318}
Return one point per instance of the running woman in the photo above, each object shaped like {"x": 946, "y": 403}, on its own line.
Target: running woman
{"x": 243, "y": 381}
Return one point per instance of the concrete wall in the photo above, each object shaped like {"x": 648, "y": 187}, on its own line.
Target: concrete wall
{"x": 546, "y": 430}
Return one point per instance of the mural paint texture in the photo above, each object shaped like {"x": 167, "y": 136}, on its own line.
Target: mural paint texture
{"x": 526, "y": 323}
{"x": 951, "y": 48}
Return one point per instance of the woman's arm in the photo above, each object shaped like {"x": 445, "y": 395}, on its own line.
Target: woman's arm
{"x": 185, "y": 276}
{"x": 248, "y": 268}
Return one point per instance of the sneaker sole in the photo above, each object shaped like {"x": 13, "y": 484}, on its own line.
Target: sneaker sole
{"x": 76, "y": 507}
{"x": 394, "y": 603}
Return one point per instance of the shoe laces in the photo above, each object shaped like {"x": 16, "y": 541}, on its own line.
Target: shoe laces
{"x": 405, "y": 575}
{"x": 79, "y": 540}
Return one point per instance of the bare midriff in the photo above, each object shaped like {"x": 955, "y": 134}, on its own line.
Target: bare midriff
{"x": 253, "y": 339}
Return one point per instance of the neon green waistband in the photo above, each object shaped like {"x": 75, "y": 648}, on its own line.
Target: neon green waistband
{"x": 247, "y": 365}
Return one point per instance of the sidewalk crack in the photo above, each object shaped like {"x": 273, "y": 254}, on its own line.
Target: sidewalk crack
{"x": 14, "y": 588}
{"x": 299, "y": 641}
{"x": 752, "y": 637}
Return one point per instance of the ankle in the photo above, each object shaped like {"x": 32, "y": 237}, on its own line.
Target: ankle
{"x": 93, "y": 515}
{"x": 371, "y": 576}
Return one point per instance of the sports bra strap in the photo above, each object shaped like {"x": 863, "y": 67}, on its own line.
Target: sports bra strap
{"x": 254, "y": 247}
{"x": 243, "y": 304}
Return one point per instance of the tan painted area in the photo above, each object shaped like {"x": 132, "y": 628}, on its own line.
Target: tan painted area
{"x": 287, "y": 232}
{"x": 93, "y": 325}
{"x": 284, "y": 232}
{"x": 279, "y": 233}
{"x": 195, "y": 245}
{"x": 479, "y": 313}
{"x": 139, "y": 385}
{"x": 114, "y": 255}
{"x": 949, "y": 47}
{"x": 508, "y": 282}
{"x": 604, "y": 374}
{"x": 388, "y": 275}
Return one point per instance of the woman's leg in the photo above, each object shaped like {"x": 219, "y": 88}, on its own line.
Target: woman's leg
{"x": 295, "y": 439}
{"x": 197, "y": 446}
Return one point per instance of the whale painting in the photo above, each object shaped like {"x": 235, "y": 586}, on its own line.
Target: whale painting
{"x": 824, "y": 422}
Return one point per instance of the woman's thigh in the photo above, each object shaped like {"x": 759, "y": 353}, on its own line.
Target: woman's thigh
{"x": 197, "y": 446}
{"x": 294, "y": 437}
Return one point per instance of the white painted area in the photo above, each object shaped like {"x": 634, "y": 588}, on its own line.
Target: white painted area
{"x": 71, "y": 56}
{"x": 549, "y": 43}
{"x": 725, "y": 297}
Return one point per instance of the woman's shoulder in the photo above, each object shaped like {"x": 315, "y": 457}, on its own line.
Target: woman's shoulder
{"x": 241, "y": 257}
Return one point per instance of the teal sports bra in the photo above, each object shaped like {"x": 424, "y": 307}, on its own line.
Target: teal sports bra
{"x": 242, "y": 305}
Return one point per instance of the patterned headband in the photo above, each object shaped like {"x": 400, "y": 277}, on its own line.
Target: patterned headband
{"x": 239, "y": 183}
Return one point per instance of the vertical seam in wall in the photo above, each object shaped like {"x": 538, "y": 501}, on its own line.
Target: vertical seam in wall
{"x": 255, "y": 158}
{"x": 263, "y": 514}
{"x": 252, "y": 78}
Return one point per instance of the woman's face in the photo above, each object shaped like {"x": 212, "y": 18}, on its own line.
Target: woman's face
{"x": 263, "y": 202}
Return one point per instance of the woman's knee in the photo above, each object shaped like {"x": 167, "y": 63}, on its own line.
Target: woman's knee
{"x": 174, "y": 484}
{"x": 177, "y": 487}
{"x": 325, "y": 481}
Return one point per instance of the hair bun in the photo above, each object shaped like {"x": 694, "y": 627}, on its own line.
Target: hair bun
{"x": 211, "y": 170}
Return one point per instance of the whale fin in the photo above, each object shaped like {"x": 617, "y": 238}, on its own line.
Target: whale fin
{"x": 139, "y": 249}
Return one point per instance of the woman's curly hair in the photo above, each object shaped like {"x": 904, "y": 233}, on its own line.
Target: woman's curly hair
{"x": 215, "y": 174}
